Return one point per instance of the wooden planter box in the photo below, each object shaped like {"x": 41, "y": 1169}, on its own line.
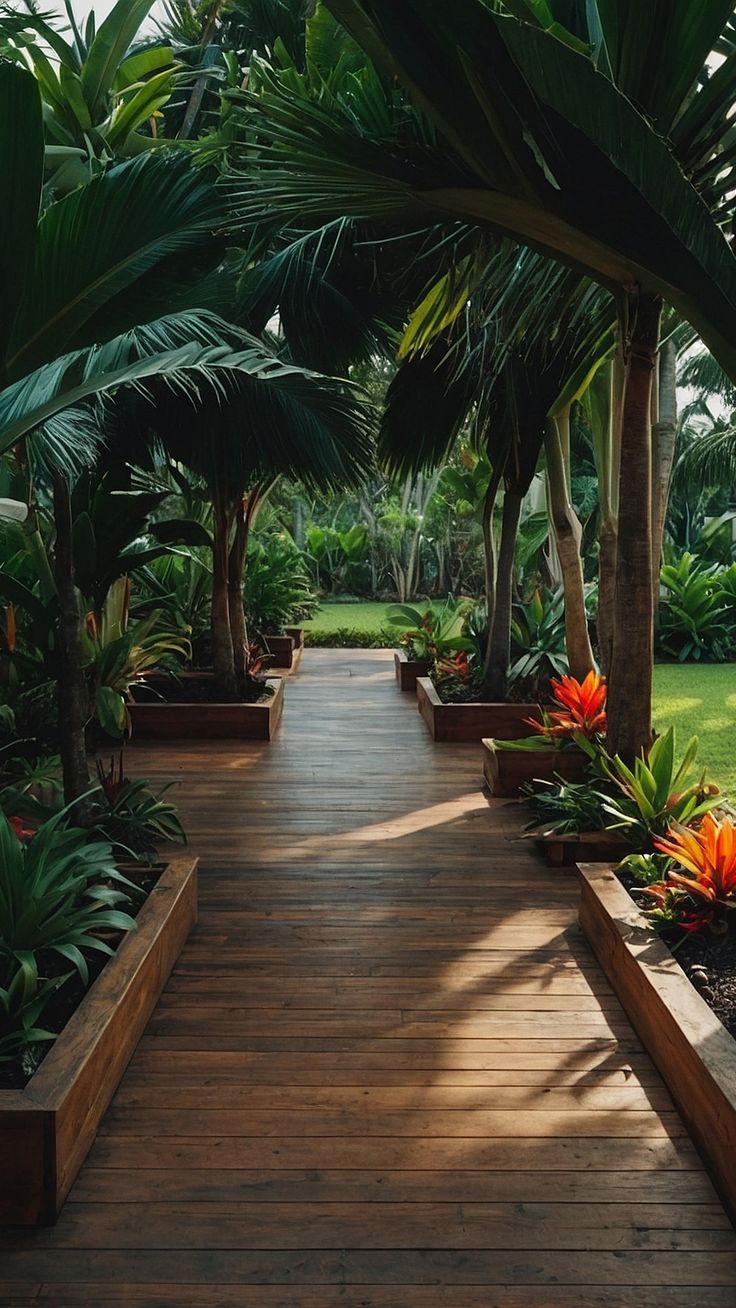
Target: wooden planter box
{"x": 472, "y": 722}
{"x": 692, "y": 1049}
{"x": 409, "y": 670}
{"x": 507, "y": 770}
{"x": 589, "y": 846}
{"x": 285, "y": 652}
{"x": 47, "y": 1128}
{"x": 160, "y": 721}
{"x": 297, "y": 635}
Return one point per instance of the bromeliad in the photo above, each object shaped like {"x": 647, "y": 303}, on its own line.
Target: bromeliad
{"x": 582, "y": 711}
{"x": 700, "y": 888}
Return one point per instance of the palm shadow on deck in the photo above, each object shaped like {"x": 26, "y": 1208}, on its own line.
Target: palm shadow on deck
{"x": 386, "y": 1063}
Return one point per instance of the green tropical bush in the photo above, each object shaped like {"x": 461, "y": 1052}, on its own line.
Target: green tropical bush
{"x": 59, "y": 891}
{"x": 538, "y": 649}
{"x": 278, "y": 590}
{"x": 694, "y": 611}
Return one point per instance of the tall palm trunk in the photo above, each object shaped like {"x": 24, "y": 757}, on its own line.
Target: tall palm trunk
{"x": 235, "y": 580}
{"x": 71, "y": 685}
{"x": 664, "y": 435}
{"x": 489, "y": 562}
{"x": 630, "y": 689}
{"x": 500, "y": 648}
{"x": 606, "y": 397}
{"x": 223, "y": 658}
{"x": 568, "y": 536}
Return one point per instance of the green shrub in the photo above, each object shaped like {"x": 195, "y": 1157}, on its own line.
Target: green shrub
{"x": 350, "y": 637}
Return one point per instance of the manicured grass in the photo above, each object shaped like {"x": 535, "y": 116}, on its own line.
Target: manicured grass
{"x": 700, "y": 699}
{"x": 368, "y": 617}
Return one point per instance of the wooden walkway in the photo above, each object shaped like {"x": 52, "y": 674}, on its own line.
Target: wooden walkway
{"x": 386, "y": 1072}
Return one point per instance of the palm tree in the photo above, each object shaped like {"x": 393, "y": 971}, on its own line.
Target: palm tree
{"x": 277, "y": 419}
{"x": 536, "y": 124}
{"x": 513, "y": 369}
{"x": 84, "y": 283}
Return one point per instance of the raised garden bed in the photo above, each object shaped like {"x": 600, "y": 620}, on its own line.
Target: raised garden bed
{"x": 588, "y": 846}
{"x": 408, "y": 671}
{"x": 297, "y": 635}
{"x": 285, "y": 652}
{"x": 158, "y": 720}
{"x": 471, "y": 722}
{"x": 47, "y": 1128}
{"x": 507, "y": 770}
{"x": 693, "y": 1051}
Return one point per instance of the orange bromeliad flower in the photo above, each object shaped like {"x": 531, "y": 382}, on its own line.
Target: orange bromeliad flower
{"x": 708, "y": 856}
{"x": 583, "y": 708}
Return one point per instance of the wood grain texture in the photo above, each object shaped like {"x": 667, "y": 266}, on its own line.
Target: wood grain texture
{"x": 160, "y": 721}
{"x": 387, "y": 1071}
{"x": 462, "y": 723}
{"x": 408, "y": 671}
{"x": 693, "y": 1050}
{"x": 507, "y": 770}
{"x": 46, "y": 1130}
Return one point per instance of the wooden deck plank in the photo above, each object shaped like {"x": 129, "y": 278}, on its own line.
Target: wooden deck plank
{"x": 387, "y": 1072}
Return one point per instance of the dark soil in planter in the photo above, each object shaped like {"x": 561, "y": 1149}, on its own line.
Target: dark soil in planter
{"x": 16, "y": 1073}
{"x": 708, "y": 960}
{"x": 197, "y": 689}
{"x": 521, "y": 692}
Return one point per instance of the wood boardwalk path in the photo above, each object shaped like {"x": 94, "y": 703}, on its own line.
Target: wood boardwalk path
{"x": 386, "y": 1072}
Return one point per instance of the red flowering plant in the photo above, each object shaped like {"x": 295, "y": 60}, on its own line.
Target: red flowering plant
{"x": 580, "y": 719}
{"x": 698, "y": 889}
{"x": 454, "y": 668}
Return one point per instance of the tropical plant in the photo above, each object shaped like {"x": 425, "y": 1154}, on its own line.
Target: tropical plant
{"x": 698, "y": 890}
{"x": 279, "y": 420}
{"x": 694, "y": 608}
{"x": 564, "y": 808}
{"x": 130, "y": 815}
{"x": 560, "y": 76}
{"x": 59, "y": 890}
{"x": 432, "y": 633}
{"x": 339, "y": 556}
{"x": 277, "y": 589}
{"x": 118, "y": 652}
{"x": 538, "y": 638}
{"x": 103, "y": 90}
{"x": 655, "y": 793}
{"x": 181, "y": 583}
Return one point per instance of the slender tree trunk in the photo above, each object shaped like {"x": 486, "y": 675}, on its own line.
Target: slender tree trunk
{"x": 608, "y": 545}
{"x": 489, "y": 563}
{"x": 500, "y": 651}
{"x": 568, "y": 536}
{"x": 608, "y": 463}
{"x": 664, "y": 435}
{"x": 235, "y": 580}
{"x": 630, "y": 688}
{"x": 223, "y": 660}
{"x": 72, "y": 686}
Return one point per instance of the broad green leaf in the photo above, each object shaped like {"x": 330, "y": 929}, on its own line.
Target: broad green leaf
{"x": 439, "y": 308}
{"x": 111, "y": 42}
{"x": 21, "y": 167}
{"x": 111, "y": 712}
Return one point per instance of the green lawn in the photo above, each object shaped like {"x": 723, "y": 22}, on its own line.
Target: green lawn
{"x": 367, "y": 617}
{"x": 701, "y": 701}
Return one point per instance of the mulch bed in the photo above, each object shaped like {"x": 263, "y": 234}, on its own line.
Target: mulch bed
{"x": 197, "y": 690}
